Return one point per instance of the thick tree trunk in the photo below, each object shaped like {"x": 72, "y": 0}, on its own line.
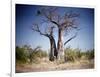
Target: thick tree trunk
{"x": 51, "y": 55}
{"x": 53, "y": 49}
{"x": 60, "y": 46}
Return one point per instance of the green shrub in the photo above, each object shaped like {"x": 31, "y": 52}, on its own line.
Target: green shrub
{"x": 70, "y": 55}
{"x": 21, "y": 55}
{"x": 27, "y": 54}
{"x": 37, "y": 54}
{"x": 90, "y": 54}
{"x": 77, "y": 54}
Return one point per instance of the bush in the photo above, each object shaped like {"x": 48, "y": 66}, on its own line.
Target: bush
{"x": 35, "y": 55}
{"x": 70, "y": 55}
{"x": 27, "y": 54}
{"x": 21, "y": 55}
{"x": 90, "y": 54}
{"x": 77, "y": 54}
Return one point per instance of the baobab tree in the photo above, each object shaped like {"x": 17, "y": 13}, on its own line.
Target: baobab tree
{"x": 49, "y": 34}
{"x": 64, "y": 22}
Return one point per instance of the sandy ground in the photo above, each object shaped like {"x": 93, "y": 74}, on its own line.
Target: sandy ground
{"x": 46, "y": 65}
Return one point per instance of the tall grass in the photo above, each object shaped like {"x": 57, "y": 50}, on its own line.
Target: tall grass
{"x": 21, "y": 55}
{"x": 77, "y": 54}
{"x": 26, "y": 54}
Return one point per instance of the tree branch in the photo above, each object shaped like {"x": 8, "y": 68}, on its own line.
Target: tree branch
{"x": 55, "y": 23}
{"x": 70, "y": 39}
{"x": 50, "y": 18}
{"x": 49, "y": 14}
{"x": 37, "y": 48}
{"x": 47, "y": 33}
{"x": 69, "y": 20}
{"x": 37, "y": 29}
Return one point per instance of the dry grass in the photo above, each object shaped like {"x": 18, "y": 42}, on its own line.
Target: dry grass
{"x": 46, "y": 65}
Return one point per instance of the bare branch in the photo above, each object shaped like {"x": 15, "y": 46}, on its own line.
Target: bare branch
{"x": 55, "y": 23}
{"x": 48, "y": 31}
{"x": 65, "y": 21}
{"x": 50, "y": 14}
{"x": 37, "y": 48}
{"x": 37, "y": 29}
{"x": 70, "y": 39}
{"x": 69, "y": 20}
{"x": 71, "y": 14}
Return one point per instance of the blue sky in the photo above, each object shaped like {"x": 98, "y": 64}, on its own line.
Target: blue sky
{"x": 26, "y": 15}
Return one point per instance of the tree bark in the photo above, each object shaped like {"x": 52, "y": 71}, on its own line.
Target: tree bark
{"x": 53, "y": 49}
{"x": 60, "y": 46}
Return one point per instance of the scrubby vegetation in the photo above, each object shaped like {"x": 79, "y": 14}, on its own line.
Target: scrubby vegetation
{"x": 21, "y": 55}
{"x": 29, "y": 59}
{"x": 26, "y": 54}
{"x": 77, "y": 54}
